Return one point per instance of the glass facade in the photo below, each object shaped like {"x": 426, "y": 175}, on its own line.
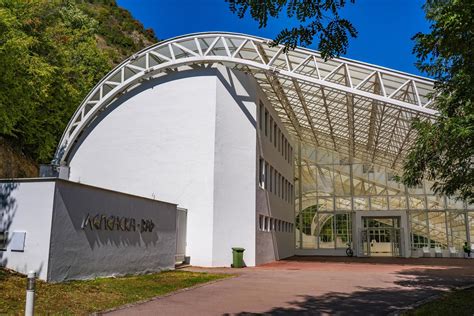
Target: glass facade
{"x": 330, "y": 187}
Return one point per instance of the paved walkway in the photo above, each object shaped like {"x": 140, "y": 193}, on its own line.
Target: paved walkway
{"x": 317, "y": 286}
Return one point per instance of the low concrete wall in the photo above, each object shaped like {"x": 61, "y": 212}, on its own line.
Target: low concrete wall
{"x": 75, "y": 231}
{"x": 26, "y": 207}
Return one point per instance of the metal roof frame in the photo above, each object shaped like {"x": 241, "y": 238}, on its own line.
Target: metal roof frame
{"x": 340, "y": 104}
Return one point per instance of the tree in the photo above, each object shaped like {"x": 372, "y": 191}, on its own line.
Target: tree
{"x": 51, "y": 54}
{"x": 48, "y": 58}
{"x": 444, "y": 149}
{"x": 319, "y": 18}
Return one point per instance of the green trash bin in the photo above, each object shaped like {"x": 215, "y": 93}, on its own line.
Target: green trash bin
{"x": 238, "y": 257}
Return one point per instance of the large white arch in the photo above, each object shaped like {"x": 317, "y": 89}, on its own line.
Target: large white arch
{"x": 339, "y": 104}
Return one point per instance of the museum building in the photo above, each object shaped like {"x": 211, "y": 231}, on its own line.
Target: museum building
{"x": 280, "y": 153}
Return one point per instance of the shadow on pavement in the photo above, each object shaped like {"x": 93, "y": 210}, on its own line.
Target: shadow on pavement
{"x": 413, "y": 286}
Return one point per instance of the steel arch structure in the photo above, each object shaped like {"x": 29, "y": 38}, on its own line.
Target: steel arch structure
{"x": 340, "y": 104}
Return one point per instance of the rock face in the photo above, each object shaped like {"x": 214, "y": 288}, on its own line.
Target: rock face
{"x": 14, "y": 164}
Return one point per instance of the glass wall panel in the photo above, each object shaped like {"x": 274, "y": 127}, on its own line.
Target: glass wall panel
{"x": 378, "y": 203}
{"x": 334, "y": 186}
{"x": 471, "y": 227}
{"x": 453, "y": 204}
{"x": 437, "y": 229}
{"x": 361, "y": 203}
{"x": 343, "y": 204}
{"x": 325, "y": 204}
{"x": 326, "y": 231}
{"x": 324, "y": 180}
{"x": 343, "y": 230}
{"x": 417, "y": 202}
{"x": 457, "y": 229}
{"x": 435, "y": 202}
{"x": 306, "y": 225}
{"x": 394, "y": 187}
{"x": 342, "y": 183}
{"x": 397, "y": 202}
{"x": 419, "y": 229}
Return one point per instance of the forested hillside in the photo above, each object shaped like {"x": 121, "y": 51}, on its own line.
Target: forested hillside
{"x": 51, "y": 54}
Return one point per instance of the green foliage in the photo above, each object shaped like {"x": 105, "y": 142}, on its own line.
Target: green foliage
{"x": 315, "y": 17}
{"x": 444, "y": 149}
{"x": 50, "y": 58}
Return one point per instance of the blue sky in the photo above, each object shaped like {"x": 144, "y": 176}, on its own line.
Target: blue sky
{"x": 385, "y": 26}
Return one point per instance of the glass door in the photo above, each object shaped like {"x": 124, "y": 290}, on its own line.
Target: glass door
{"x": 381, "y": 236}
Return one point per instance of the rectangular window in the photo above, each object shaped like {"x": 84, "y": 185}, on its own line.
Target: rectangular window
{"x": 275, "y": 135}
{"x": 289, "y": 192}
{"x": 282, "y": 144}
{"x": 271, "y": 129}
{"x": 261, "y": 172}
{"x": 288, "y": 150}
{"x": 271, "y": 179}
{"x": 271, "y": 225}
{"x": 260, "y": 116}
{"x": 275, "y": 190}
{"x": 285, "y": 144}
{"x": 266, "y": 123}
{"x": 279, "y": 138}
{"x": 279, "y": 186}
{"x": 260, "y": 222}
{"x": 266, "y": 224}
{"x": 267, "y": 180}
{"x": 283, "y": 189}
{"x": 292, "y": 198}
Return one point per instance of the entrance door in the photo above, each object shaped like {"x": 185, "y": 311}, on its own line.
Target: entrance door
{"x": 181, "y": 226}
{"x": 381, "y": 236}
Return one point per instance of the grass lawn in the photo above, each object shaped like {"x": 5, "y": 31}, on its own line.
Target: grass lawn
{"x": 457, "y": 303}
{"x": 84, "y": 297}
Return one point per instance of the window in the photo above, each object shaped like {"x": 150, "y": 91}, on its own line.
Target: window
{"x": 288, "y": 158}
{"x": 288, "y": 190}
{"x": 286, "y": 149}
{"x": 266, "y": 224}
{"x": 282, "y": 144}
{"x": 366, "y": 168}
{"x": 279, "y": 186}
{"x": 271, "y": 129}
{"x": 260, "y": 222}
{"x": 267, "y": 180}
{"x": 260, "y": 113}
{"x": 275, "y": 135}
{"x": 271, "y": 179}
{"x": 275, "y": 191}
{"x": 266, "y": 123}
{"x": 262, "y": 173}
{"x": 283, "y": 188}
{"x": 279, "y": 137}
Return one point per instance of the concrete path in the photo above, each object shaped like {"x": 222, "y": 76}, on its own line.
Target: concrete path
{"x": 317, "y": 286}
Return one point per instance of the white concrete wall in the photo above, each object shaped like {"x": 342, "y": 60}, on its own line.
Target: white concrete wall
{"x": 273, "y": 245}
{"x": 166, "y": 138}
{"x": 27, "y": 207}
{"x": 235, "y": 168}
{"x": 78, "y": 252}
